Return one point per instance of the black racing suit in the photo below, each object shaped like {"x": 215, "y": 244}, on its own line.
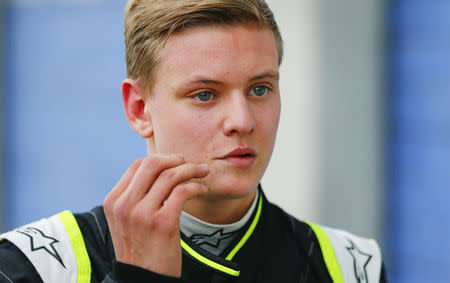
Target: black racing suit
{"x": 272, "y": 247}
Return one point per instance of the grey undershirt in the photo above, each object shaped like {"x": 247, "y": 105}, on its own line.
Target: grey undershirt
{"x": 214, "y": 238}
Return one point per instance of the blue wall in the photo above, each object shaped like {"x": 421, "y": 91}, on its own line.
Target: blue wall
{"x": 419, "y": 144}
{"x": 67, "y": 139}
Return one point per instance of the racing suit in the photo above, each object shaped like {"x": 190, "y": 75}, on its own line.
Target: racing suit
{"x": 272, "y": 247}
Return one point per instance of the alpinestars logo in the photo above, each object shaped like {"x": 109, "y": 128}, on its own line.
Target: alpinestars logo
{"x": 360, "y": 261}
{"x": 40, "y": 241}
{"x": 213, "y": 239}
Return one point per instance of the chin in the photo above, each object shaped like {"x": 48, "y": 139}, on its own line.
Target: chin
{"x": 231, "y": 190}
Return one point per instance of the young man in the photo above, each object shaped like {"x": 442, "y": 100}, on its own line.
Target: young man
{"x": 202, "y": 88}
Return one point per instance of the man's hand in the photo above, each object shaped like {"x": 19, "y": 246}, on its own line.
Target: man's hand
{"x": 143, "y": 211}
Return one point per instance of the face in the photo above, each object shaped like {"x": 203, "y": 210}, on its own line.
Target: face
{"x": 216, "y": 100}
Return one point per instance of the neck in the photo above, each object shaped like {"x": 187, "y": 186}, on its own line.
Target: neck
{"x": 219, "y": 211}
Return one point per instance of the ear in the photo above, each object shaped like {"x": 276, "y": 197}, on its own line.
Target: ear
{"x": 134, "y": 106}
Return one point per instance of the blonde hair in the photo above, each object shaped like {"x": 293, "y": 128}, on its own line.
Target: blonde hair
{"x": 148, "y": 24}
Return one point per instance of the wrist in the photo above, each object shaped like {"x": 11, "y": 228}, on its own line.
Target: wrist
{"x": 123, "y": 272}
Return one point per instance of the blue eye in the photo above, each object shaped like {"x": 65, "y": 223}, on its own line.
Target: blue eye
{"x": 203, "y": 96}
{"x": 260, "y": 90}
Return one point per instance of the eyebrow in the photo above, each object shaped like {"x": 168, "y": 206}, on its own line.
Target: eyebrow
{"x": 205, "y": 80}
{"x": 269, "y": 74}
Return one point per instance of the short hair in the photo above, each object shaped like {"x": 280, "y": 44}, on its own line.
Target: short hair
{"x": 149, "y": 23}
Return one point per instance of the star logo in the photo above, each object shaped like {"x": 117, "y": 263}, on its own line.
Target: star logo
{"x": 360, "y": 261}
{"x": 212, "y": 239}
{"x": 40, "y": 241}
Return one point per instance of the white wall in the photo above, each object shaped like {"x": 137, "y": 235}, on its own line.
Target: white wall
{"x": 327, "y": 165}
{"x": 291, "y": 179}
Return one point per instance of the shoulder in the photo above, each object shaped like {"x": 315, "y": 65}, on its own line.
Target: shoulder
{"x": 347, "y": 257}
{"x": 54, "y": 246}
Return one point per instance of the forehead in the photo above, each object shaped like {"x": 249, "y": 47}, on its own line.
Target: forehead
{"x": 217, "y": 51}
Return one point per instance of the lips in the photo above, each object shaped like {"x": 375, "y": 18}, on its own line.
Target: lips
{"x": 242, "y": 157}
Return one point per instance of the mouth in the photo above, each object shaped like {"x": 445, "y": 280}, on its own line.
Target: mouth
{"x": 242, "y": 157}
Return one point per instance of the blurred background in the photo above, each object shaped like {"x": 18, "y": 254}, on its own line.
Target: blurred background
{"x": 364, "y": 137}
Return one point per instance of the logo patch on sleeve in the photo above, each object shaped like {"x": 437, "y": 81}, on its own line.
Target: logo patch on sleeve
{"x": 360, "y": 261}
{"x": 40, "y": 241}
{"x": 47, "y": 245}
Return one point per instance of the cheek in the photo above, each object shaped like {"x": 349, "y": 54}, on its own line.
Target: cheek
{"x": 269, "y": 120}
{"x": 190, "y": 134}
{"x": 195, "y": 129}
{"x": 198, "y": 127}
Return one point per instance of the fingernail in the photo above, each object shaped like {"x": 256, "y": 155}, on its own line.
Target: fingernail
{"x": 205, "y": 188}
{"x": 204, "y": 166}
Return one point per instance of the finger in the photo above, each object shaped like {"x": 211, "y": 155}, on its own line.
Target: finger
{"x": 146, "y": 174}
{"x": 124, "y": 180}
{"x": 180, "y": 194}
{"x": 170, "y": 178}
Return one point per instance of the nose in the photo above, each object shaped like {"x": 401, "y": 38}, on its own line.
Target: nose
{"x": 239, "y": 119}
